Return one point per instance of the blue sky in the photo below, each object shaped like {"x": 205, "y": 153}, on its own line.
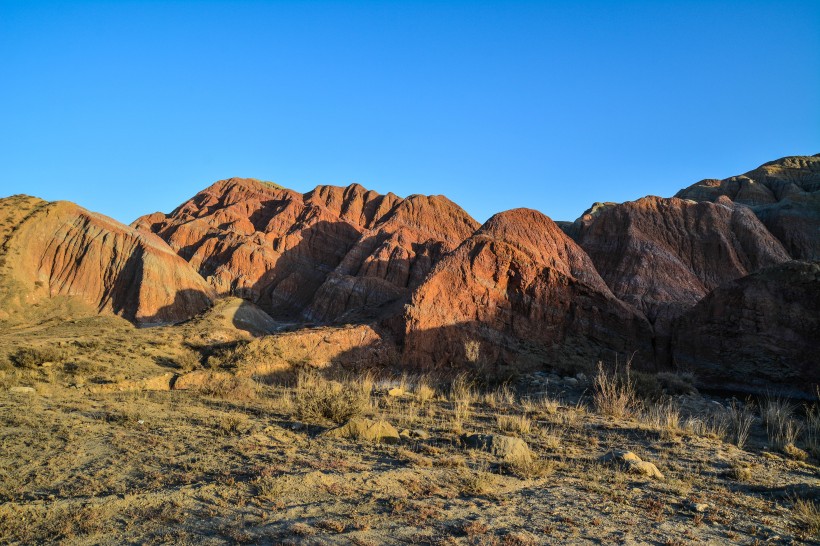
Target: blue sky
{"x": 131, "y": 107}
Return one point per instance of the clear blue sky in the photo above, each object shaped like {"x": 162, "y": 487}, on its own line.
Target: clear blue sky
{"x": 131, "y": 107}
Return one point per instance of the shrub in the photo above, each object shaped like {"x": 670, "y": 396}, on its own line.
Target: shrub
{"x": 741, "y": 419}
{"x": 781, "y": 427}
{"x": 318, "y": 399}
{"x": 229, "y": 387}
{"x": 519, "y": 424}
{"x": 33, "y": 357}
{"x": 806, "y": 515}
{"x": 615, "y": 393}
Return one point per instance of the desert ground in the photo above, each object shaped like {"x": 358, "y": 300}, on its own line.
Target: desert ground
{"x": 99, "y": 447}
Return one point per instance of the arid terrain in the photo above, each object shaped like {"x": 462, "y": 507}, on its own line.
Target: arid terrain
{"x": 262, "y": 366}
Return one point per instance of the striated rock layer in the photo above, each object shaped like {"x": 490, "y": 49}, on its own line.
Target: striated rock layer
{"x": 757, "y": 333}
{"x": 665, "y": 255}
{"x": 785, "y": 195}
{"x": 518, "y": 285}
{"x": 56, "y": 250}
{"x": 330, "y": 254}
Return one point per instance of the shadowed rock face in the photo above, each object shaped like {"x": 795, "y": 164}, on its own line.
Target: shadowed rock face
{"x": 665, "y": 255}
{"x": 392, "y": 258}
{"x": 60, "y": 249}
{"x": 784, "y": 194}
{"x": 330, "y": 254}
{"x": 756, "y": 333}
{"x": 519, "y": 280}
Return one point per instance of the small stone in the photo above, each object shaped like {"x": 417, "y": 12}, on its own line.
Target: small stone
{"x": 701, "y": 507}
{"x": 395, "y": 391}
{"x": 22, "y": 390}
{"x": 571, "y": 381}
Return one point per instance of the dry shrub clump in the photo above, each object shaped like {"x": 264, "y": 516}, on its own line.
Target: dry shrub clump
{"x": 614, "y": 393}
{"x": 33, "y": 357}
{"x": 742, "y": 418}
{"x": 518, "y": 424}
{"x": 781, "y": 426}
{"x": 664, "y": 416}
{"x": 806, "y": 515}
{"x": 229, "y": 387}
{"x": 318, "y": 399}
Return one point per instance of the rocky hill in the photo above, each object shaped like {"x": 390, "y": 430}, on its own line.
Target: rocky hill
{"x": 665, "y": 255}
{"x": 330, "y": 254}
{"x": 53, "y": 252}
{"x": 785, "y": 195}
{"x": 518, "y": 281}
{"x": 704, "y": 281}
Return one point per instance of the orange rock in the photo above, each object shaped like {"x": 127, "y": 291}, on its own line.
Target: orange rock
{"x": 330, "y": 254}
{"x": 61, "y": 249}
{"x": 519, "y": 283}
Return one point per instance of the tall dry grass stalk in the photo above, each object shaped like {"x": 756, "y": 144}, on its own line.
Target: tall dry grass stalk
{"x": 741, "y": 419}
{"x": 614, "y": 393}
{"x": 781, "y": 426}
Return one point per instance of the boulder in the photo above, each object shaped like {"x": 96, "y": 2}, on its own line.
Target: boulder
{"x": 506, "y": 448}
{"x": 632, "y": 463}
{"x": 365, "y": 430}
{"x": 22, "y": 390}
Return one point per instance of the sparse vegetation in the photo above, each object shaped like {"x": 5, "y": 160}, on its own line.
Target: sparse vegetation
{"x": 318, "y": 399}
{"x": 806, "y": 515}
{"x": 781, "y": 426}
{"x": 174, "y": 466}
{"x": 615, "y": 393}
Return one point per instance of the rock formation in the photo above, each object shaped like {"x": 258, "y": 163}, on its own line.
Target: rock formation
{"x": 55, "y": 250}
{"x": 330, "y": 254}
{"x": 664, "y": 255}
{"x": 392, "y": 258}
{"x": 518, "y": 285}
{"x": 785, "y": 195}
{"x": 757, "y": 333}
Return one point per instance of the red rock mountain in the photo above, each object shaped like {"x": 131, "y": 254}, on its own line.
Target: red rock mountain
{"x": 330, "y": 254}
{"x": 53, "y": 250}
{"x": 518, "y": 286}
{"x": 757, "y": 333}
{"x": 665, "y": 255}
{"x": 785, "y": 195}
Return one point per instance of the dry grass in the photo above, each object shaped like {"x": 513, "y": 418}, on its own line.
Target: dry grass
{"x": 229, "y": 387}
{"x": 781, "y": 426}
{"x": 614, "y": 393}
{"x": 664, "y": 416}
{"x": 223, "y": 466}
{"x": 742, "y": 418}
{"x": 806, "y": 515}
{"x": 477, "y": 481}
{"x": 517, "y": 424}
{"x": 317, "y": 399}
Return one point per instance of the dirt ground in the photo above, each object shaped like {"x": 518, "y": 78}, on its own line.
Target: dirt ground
{"x": 90, "y": 453}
